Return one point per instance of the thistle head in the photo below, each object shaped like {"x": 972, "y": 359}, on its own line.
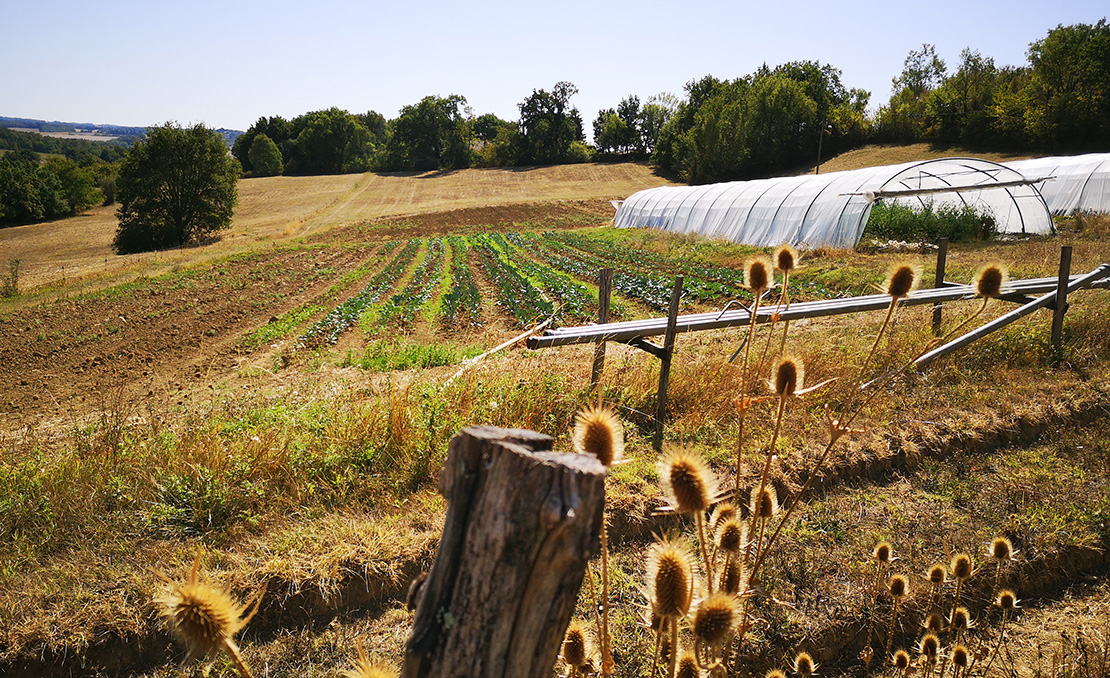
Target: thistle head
{"x": 757, "y": 274}
{"x": 937, "y": 574}
{"x": 961, "y": 657}
{"x": 898, "y": 586}
{"x": 731, "y": 575}
{"x": 688, "y": 665}
{"x": 961, "y": 566}
{"x": 687, "y": 481}
{"x": 883, "y": 553}
{"x": 785, "y": 258}
{"x": 765, "y": 502}
{"x": 989, "y": 280}
{"x": 901, "y": 660}
{"x": 598, "y": 431}
{"x": 1001, "y": 549}
{"x": 364, "y": 669}
{"x": 900, "y": 281}
{"x": 721, "y": 512}
{"x": 933, "y": 623}
{"x": 576, "y": 650}
{"x": 716, "y": 618}
{"x": 961, "y": 619}
{"x": 930, "y": 645}
{"x": 731, "y": 535}
{"x": 204, "y": 618}
{"x": 1006, "y": 600}
{"x": 670, "y": 578}
{"x": 804, "y": 664}
{"x": 787, "y": 376}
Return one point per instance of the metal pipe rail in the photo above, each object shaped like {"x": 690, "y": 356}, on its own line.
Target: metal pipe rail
{"x": 629, "y": 331}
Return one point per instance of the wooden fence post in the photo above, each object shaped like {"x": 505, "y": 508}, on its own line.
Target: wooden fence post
{"x": 604, "y": 291}
{"x": 942, "y": 259}
{"x": 1061, "y": 306}
{"x": 521, "y": 524}
{"x": 665, "y": 365}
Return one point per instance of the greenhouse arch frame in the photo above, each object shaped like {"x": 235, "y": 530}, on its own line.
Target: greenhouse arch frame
{"x": 832, "y": 209}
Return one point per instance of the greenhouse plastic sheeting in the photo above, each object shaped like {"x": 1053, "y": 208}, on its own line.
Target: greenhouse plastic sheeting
{"x": 832, "y": 209}
{"x": 1081, "y": 183}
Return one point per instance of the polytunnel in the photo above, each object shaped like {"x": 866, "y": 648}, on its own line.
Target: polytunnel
{"x": 1079, "y": 183}
{"x": 832, "y": 209}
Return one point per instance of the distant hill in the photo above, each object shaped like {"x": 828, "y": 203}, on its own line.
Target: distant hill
{"x": 92, "y": 132}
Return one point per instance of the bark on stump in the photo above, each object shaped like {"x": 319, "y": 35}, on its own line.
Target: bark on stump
{"x": 521, "y": 524}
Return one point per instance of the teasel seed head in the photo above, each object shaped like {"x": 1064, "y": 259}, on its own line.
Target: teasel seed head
{"x": 961, "y": 657}
{"x": 670, "y": 578}
{"x": 576, "y": 645}
{"x": 785, "y": 258}
{"x": 205, "y": 618}
{"x": 804, "y": 664}
{"x": 900, "y": 281}
{"x": 716, "y": 618}
{"x": 930, "y": 645}
{"x": 898, "y": 587}
{"x": 961, "y": 619}
{"x": 730, "y": 536}
{"x": 688, "y": 665}
{"x": 989, "y": 280}
{"x": 687, "y": 481}
{"x": 788, "y": 376}
{"x": 882, "y": 553}
{"x": 1006, "y": 600}
{"x": 901, "y": 660}
{"x": 598, "y": 431}
{"x": 731, "y": 574}
{"x": 364, "y": 669}
{"x": 937, "y": 574}
{"x": 765, "y": 502}
{"x": 775, "y": 673}
{"x": 1001, "y": 549}
{"x": 961, "y": 566}
{"x": 933, "y": 623}
{"x": 757, "y": 274}
{"x": 721, "y": 512}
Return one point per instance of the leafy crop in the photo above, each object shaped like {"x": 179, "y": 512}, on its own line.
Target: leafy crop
{"x": 518, "y": 295}
{"x": 463, "y": 300}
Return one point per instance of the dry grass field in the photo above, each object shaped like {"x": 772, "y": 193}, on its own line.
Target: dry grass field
{"x": 280, "y": 402}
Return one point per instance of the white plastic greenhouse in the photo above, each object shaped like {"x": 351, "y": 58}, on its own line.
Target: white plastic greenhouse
{"x": 1081, "y": 184}
{"x": 832, "y": 209}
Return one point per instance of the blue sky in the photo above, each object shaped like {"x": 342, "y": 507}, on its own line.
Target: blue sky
{"x": 228, "y": 63}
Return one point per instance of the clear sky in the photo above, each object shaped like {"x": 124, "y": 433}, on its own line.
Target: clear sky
{"x": 228, "y": 63}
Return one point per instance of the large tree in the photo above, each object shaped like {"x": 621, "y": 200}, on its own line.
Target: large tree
{"x": 432, "y": 134}
{"x": 549, "y": 125}
{"x": 176, "y": 185}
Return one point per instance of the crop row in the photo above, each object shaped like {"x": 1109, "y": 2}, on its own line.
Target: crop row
{"x": 575, "y": 299}
{"x": 327, "y": 329}
{"x": 462, "y": 300}
{"x": 403, "y": 306}
{"x": 517, "y": 295}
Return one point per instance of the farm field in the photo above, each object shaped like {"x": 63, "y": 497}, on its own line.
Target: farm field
{"x": 281, "y": 402}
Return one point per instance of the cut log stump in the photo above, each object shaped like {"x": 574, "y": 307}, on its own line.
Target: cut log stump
{"x": 522, "y": 522}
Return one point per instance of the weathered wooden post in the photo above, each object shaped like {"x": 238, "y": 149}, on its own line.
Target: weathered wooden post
{"x": 665, "y": 365}
{"x": 1061, "y": 307}
{"x": 521, "y": 524}
{"x": 604, "y": 292}
{"x": 938, "y": 281}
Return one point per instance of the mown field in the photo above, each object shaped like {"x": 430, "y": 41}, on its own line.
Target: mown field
{"x": 281, "y": 401}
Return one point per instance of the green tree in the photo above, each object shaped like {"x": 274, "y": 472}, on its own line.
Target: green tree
{"x": 175, "y": 186}
{"x": 658, "y": 110}
{"x": 277, "y": 128}
{"x": 265, "y": 157}
{"x": 432, "y": 134}
{"x": 549, "y": 125}
{"x": 1069, "y": 88}
{"x": 903, "y": 119}
{"x": 329, "y": 142}
{"x": 959, "y": 109}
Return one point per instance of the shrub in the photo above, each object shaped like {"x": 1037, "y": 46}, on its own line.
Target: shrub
{"x": 931, "y": 222}
{"x": 9, "y": 285}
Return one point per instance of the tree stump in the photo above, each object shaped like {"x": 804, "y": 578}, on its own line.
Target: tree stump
{"x": 521, "y": 524}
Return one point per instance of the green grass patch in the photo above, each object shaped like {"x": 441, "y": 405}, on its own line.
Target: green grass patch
{"x": 387, "y": 355}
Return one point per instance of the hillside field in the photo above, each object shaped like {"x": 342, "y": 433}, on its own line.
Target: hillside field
{"x": 280, "y": 402}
